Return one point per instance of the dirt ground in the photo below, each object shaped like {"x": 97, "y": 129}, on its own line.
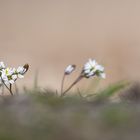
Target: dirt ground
{"x": 50, "y": 34}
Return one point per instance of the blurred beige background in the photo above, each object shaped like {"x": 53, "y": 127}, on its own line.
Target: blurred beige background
{"x": 50, "y": 34}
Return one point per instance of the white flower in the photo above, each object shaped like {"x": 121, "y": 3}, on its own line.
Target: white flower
{"x": 8, "y": 71}
{"x": 14, "y": 77}
{"x": 92, "y": 68}
{"x": 70, "y": 69}
{"x": 2, "y": 66}
{"x": 8, "y": 76}
{"x": 20, "y": 71}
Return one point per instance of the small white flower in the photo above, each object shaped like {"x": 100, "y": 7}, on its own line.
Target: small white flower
{"x": 7, "y": 72}
{"x": 70, "y": 69}
{"x": 21, "y": 71}
{"x": 14, "y": 77}
{"x": 92, "y": 68}
{"x": 8, "y": 76}
{"x": 2, "y": 66}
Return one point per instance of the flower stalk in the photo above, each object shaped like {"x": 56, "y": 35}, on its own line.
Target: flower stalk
{"x": 73, "y": 84}
{"x": 11, "y": 90}
{"x": 62, "y": 84}
{"x": 69, "y": 69}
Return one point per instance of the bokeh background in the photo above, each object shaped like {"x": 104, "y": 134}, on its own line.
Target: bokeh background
{"x": 50, "y": 34}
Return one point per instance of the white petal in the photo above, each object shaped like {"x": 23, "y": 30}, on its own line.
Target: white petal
{"x": 90, "y": 74}
{"x": 21, "y": 70}
{"x": 87, "y": 66}
{"x": 87, "y": 71}
{"x": 6, "y": 82}
{"x": 70, "y": 69}
{"x": 94, "y": 62}
{"x": 11, "y": 81}
{"x": 4, "y": 77}
{"x": 14, "y": 77}
{"x": 100, "y": 68}
{"x": 90, "y": 61}
{"x": 20, "y": 76}
{"x": 10, "y": 71}
{"x": 102, "y": 75}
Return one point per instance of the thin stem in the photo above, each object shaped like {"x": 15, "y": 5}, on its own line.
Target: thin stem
{"x": 62, "y": 84}
{"x": 11, "y": 89}
{"x": 16, "y": 89}
{"x": 79, "y": 93}
{"x": 2, "y": 89}
{"x": 6, "y": 86}
{"x": 74, "y": 83}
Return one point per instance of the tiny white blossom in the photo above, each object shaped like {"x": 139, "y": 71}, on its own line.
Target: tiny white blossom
{"x": 7, "y": 76}
{"x": 70, "y": 69}
{"x": 92, "y": 68}
{"x": 21, "y": 71}
{"x": 7, "y": 71}
{"x": 2, "y": 66}
{"x": 14, "y": 77}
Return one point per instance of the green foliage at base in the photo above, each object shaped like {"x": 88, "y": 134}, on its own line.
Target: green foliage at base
{"x": 44, "y": 115}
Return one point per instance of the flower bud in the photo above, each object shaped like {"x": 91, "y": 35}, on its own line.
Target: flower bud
{"x": 26, "y": 66}
{"x": 70, "y": 69}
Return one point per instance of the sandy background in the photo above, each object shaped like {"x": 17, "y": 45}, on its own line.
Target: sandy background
{"x": 50, "y": 34}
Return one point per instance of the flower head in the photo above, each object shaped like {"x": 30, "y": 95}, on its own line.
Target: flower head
{"x": 2, "y": 66}
{"x": 21, "y": 71}
{"x": 92, "y": 68}
{"x": 69, "y": 69}
{"x": 8, "y": 76}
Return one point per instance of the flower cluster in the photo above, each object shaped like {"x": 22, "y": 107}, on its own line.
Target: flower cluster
{"x": 90, "y": 69}
{"x": 10, "y": 75}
